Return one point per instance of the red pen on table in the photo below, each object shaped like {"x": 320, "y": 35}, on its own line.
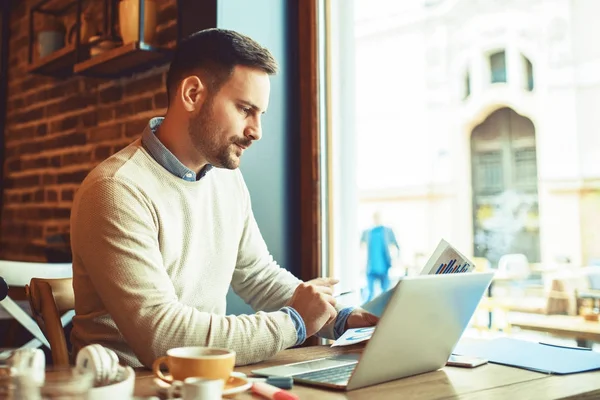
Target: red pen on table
{"x": 271, "y": 392}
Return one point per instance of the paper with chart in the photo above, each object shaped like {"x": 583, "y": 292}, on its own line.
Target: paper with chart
{"x": 445, "y": 260}
{"x": 353, "y": 336}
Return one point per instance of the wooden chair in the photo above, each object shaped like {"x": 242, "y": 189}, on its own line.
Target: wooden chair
{"x": 3, "y": 289}
{"x": 14, "y": 307}
{"x": 49, "y": 299}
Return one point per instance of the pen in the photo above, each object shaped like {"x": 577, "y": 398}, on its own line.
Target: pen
{"x": 343, "y": 293}
{"x": 272, "y": 392}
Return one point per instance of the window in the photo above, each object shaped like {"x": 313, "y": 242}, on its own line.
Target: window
{"x": 498, "y": 67}
{"x": 528, "y": 73}
{"x": 403, "y": 145}
{"x": 467, "y": 85}
{"x": 488, "y": 173}
{"x": 525, "y": 168}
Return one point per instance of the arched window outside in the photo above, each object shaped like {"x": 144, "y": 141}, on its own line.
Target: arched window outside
{"x": 505, "y": 187}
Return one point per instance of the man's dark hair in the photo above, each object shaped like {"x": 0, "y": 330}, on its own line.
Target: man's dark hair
{"x": 215, "y": 52}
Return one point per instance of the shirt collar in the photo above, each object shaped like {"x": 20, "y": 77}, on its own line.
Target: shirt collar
{"x": 164, "y": 157}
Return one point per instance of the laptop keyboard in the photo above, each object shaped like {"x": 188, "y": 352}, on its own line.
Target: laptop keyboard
{"x": 337, "y": 375}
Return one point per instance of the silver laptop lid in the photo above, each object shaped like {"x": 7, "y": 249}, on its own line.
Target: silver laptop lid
{"x": 421, "y": 325}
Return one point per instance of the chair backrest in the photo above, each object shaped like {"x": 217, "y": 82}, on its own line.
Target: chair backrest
{"x": 592, "y": 274}
{"x": 49, "y": 299}
{"x": 514, "y": 265}
{"x": 19, "y": 273}
{"x": 482, "y": 264}
{"x": 3, "y": 289}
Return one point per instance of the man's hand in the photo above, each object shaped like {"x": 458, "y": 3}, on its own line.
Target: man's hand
{"x": 360, "y": 318}
{"x": 316, "y": 307}
{"x": 324, "y": 285}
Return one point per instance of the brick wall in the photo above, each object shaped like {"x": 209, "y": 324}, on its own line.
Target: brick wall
{"x": 57, "y": 130}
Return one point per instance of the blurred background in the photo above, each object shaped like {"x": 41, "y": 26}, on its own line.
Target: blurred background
{"x": 472, "y": 121}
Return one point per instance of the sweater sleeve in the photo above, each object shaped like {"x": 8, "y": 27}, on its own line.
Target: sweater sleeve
{"x": 257, "y": 278}
{"x": 115, "y": 238}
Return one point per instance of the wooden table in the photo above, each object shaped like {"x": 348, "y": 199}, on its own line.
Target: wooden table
{"x": 490, "y": 381}
{"x": 584, "y": 332}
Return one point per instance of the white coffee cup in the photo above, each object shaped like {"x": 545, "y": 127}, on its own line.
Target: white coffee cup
{"x": 197, "y": 389}
{"x": 28, "y": 362}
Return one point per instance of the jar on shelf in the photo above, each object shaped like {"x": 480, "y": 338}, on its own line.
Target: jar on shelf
{"x": 51, "y": 36}
{"x": 129, "y": 20}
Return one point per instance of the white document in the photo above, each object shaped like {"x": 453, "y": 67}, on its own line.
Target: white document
{"x": 447, "y": 260}
{"x": 353, "y": 336}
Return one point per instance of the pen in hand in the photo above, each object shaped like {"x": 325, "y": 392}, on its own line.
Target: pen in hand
{"x": 343, "y": 293}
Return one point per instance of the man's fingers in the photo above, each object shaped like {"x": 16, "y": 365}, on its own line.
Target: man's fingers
{"x": 371, "y": 319}
{"x": 324, "y": 289}
{"x": 330, "y": 299}
{"x": 331, "y": 281}
{"x": 323, "y": 281}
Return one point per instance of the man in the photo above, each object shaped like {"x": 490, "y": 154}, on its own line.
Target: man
{"x": 161, "y": 229}
{"x": 378, "y": 240}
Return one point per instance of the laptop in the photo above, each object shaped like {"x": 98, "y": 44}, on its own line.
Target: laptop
{"x": 420, "y": 326}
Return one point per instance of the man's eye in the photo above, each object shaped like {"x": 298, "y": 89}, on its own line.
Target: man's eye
{"x": 246, "y": 110}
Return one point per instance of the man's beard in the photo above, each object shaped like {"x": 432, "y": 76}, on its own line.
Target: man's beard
{"x": 206, "y": 137}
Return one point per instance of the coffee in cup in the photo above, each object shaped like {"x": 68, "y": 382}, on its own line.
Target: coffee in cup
{"x": 201, "y": 362}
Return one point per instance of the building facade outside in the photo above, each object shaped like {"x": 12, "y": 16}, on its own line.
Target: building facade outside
{"x": 476, "y": 121}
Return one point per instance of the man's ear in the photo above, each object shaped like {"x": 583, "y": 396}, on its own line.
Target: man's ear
{"x": 192, "y": 93}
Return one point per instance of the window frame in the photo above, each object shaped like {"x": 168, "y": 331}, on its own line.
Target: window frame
{"x": 310, "y": 148}
{"x": 4, "y": 46}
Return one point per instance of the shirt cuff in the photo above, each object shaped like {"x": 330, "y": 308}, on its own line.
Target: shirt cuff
{"x": 298, "y": 324}
{"x": 340, "y": 322}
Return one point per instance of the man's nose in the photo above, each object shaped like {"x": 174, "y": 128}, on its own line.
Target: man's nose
{"x": 254, "y": 130}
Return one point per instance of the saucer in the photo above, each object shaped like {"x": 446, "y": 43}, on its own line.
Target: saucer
{"x": 237, "y": 383}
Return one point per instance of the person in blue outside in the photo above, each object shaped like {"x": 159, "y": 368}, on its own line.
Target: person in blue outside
{"x": 378, "y": 240}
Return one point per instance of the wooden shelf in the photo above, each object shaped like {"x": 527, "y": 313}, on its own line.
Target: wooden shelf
{"x": 57, "y": 63}
{"x": 53, "y": 7}
{"x": 123, "y": 60}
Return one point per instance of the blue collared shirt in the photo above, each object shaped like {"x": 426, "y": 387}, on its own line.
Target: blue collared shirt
{"x": 168, "y": 161}
{"x": 164, "y": 157}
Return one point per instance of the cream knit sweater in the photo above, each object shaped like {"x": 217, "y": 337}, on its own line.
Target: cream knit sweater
{"x": 153, "y": 258}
